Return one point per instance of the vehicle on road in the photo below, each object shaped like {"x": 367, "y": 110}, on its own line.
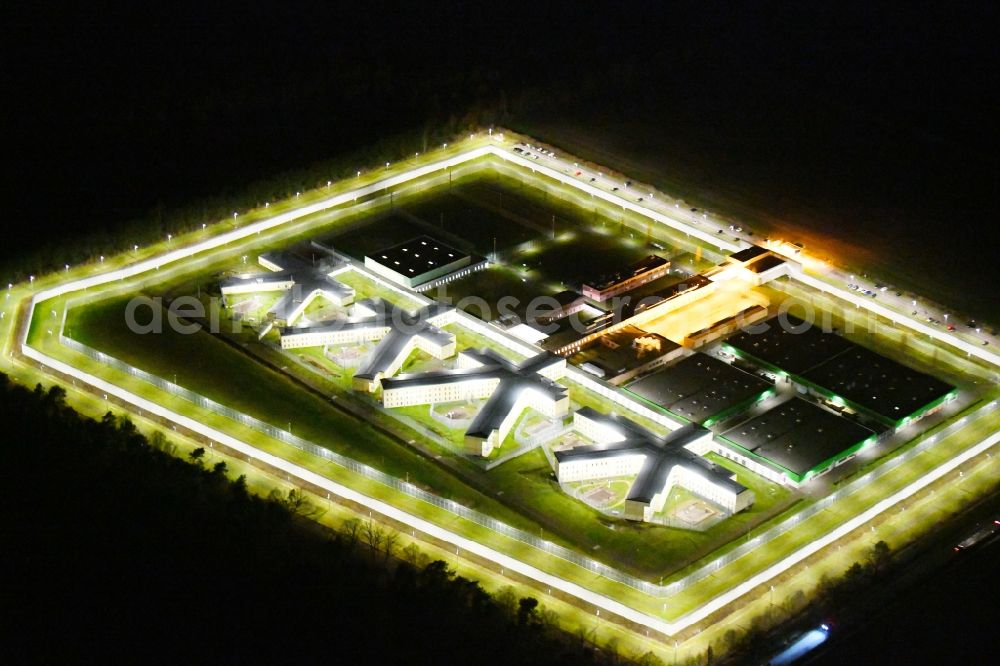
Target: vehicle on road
{"x": 979, "y": 537}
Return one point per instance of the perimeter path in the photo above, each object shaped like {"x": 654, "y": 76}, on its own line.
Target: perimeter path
{"x": 563, "y": 169}
{"x": 415, "y": 522}
{"x": 599, "y": 601}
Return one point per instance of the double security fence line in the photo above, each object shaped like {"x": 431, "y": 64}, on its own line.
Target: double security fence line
{"x": 652, "y": 621}
{"x": 504, "y": 529}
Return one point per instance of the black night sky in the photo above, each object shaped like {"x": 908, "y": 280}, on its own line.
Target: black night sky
{"x": 870, "y": 124}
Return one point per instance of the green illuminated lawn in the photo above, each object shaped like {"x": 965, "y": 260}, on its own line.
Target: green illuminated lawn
{"x": 237, "y": 381}
{"x": 214, "y": 368}
{"x": 645, "y": 549}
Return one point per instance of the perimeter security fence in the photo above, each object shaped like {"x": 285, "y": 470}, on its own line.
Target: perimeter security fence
{"x": 502, "y": 528}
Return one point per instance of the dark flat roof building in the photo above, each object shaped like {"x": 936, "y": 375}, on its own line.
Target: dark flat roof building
{"x": 798, "y": 438}
{"x": 748, "y": 254}
{"x": 625, "y": 352}
{"x": 701, "y": 388}
{"x": 878, "y": 384}
{"x": 416, "y": 261}
{"x": 645, "y": 270}
{"x": 842, "y": 371}
{"x": 789, "y": 344}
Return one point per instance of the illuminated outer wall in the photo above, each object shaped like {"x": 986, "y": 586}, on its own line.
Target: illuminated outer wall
{"x": 648, "y": 620}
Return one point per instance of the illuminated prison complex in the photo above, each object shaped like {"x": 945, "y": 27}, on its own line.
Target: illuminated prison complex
{"x": 792, "y": 441}
{"x": 623, "y": 448}
{"x": 397, "y": 331}
{"x": 847, "y": 376}
{"x": 508, "y": 388}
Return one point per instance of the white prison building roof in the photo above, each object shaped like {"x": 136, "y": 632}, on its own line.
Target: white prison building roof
{"x": 624, "y": 448}
{"x": 399, "y": 332}
{"x": 301, "y": 281}
{"x": 508, "y": 387}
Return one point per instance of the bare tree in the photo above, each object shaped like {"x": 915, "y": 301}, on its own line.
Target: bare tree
{"x": 797, "y": 601}
{"x": 548, "y": 619}
{"x": 412, "y": 553}
{"x": 389, "y": 545}
{"x": 374, "y": 535}
{"x": 588, "y": 636}
{"x": 296, "y": 502}
{"x": 157, "y": 439}
{"x": 506, "y": 598}
{"x": 649, "y": 659}
{"x": 351, "y": 529}
{"x": 611, "y": 652}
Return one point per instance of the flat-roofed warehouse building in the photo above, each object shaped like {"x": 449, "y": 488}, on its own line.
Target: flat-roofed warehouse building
{"x": 787, "y": 345}
{"x": 794, "y": 441}
{"x": 892, "y": 392}
{"x": 631, "y": 277}
{"x": 417, "y": 261}
{"x": 624, "y": 448}
{"x": 508, "y": 387}
{"x": 702, "y": 389}
{"x": 845, "y": 374}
